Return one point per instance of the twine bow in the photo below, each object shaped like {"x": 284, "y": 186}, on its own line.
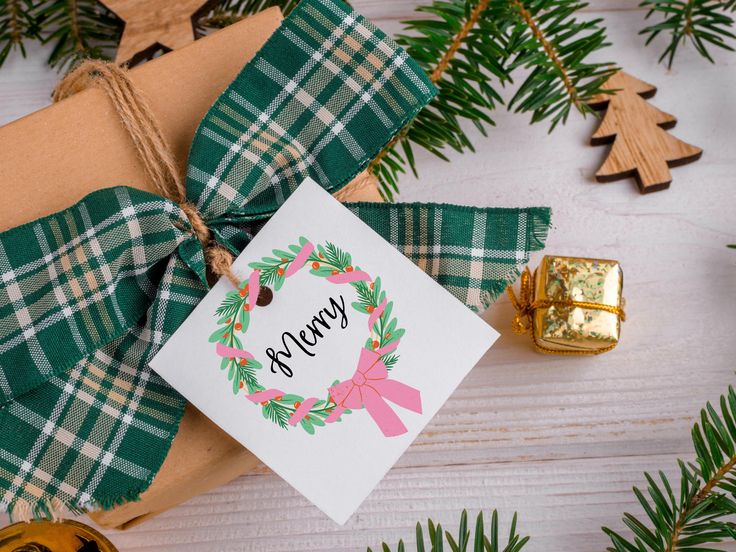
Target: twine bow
{"x": 525, "y": 305}
{"x": 90, "y": 294}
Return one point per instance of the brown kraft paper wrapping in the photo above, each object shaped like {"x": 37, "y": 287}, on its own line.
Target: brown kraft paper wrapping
{"x": 61, "y": 153}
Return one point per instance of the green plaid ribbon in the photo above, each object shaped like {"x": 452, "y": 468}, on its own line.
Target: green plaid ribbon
{"x": 89, "y": 295}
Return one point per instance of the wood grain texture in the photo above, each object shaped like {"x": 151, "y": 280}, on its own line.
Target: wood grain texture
{"x": 560, "y": 440}
{"x": 642, "y": 146}
{"x": 154, "y": 24}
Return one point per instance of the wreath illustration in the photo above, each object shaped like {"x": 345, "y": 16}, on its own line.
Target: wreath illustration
{"x": 369, "y": 387}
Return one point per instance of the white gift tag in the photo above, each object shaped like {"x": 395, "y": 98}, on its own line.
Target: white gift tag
{"x": 331, "y": 381}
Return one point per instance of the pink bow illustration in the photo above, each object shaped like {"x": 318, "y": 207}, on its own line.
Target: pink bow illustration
{"x": 370, "y": 387}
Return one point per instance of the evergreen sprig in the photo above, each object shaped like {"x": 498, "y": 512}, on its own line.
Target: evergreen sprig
{"x": 78, "y": 29}
{"x": 482, "y": 541}
{"x": 703, "y": 23}
{"x": 696, "y": 516}
{"x": 17, "y": 24}
{"x": 470, "y": 48}
{"x": 691, "y": 520}
{"x": 554, "y": 45}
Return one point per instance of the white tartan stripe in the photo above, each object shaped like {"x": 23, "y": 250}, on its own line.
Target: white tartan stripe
{"x": 267, "y": 115}
{"x": 99, "y": 430}
{"x": 65, "y": 309}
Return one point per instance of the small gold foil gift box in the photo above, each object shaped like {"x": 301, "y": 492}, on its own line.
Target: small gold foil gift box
{"x": 572, "y": 305}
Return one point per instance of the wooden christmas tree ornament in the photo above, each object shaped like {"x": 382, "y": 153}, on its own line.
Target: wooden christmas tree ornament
{"x": 642, "y": 147}
{"x": 154, "y": 24}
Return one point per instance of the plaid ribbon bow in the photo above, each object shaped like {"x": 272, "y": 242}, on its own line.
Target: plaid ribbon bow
{"x": 89, "y": 295}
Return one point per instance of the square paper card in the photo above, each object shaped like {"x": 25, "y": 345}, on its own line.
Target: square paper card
{"x": 331, "y": 371}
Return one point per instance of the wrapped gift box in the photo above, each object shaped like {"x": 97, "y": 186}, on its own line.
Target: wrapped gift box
{"x": 580, "y": 305}
{"x": 61, "y": 153}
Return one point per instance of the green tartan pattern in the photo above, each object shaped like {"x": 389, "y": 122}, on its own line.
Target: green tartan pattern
{"x": 318, "y": 101}
{"x": 89, "y": 295}
{"x": 473, "y": 252}
{"x": 105, "y": 294}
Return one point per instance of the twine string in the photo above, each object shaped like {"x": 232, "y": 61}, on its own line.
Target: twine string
{"x": 525, "y": 305}
{"x": 151, "y": 147}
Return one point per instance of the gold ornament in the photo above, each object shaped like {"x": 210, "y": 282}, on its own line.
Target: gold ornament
{"x": 572, "y": 305}
{"x": 53, "y": 536}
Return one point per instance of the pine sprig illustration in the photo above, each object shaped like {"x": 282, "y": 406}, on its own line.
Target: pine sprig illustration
{"x": 330, "y": 260}
{"x": 234, "y": 316}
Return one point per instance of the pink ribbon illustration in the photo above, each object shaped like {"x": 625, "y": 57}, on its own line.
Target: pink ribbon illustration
{"x": 225, "y": 351}
{"x": 370, "y": 387}
{"x": 300, "y": 259}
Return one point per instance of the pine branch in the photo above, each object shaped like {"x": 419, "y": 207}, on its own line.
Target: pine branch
{"x": 555, "y": 45}
{"x": 467, "y": 47}
{"x": 460, "y": 48}
{"x": 707, "y": 492}
{"x": 78, "y": 29}
{"x": 703, "y": 23}
{"x": 18, "y": 23}
{"x": 482, "y": 541}
{"x": 470, "y": 46}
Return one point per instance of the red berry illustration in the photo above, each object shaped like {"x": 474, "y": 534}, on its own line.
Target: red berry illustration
{"x": 348, "y": 268}
{"x": 372, "y": 285}
{"x": 375, "y": 344}
{"x": 225, "y": 334}
{"x": 306, "y": 418}
{"x": 241, "y": 384}
{"x": 280, "y": 271}
{"x": 315, "y": 265}
{"x": 334, "y": 272}
{"x": 297, "y": 404}
{"x": 229, "y": 320}
{"x": 321, "y": 256}
{"x": 246, "y": 308}
{"x": 243, "y": 292}
{"x": 370, "y": 308}
{"x": 264, "y": 403}
{"x": 279, "y": 398}
{"x": 243, "y": 361}
{"x": 238, "y": 326}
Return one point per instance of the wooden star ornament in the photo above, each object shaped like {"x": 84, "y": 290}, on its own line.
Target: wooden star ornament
{"x": 154, "y": 24}
{"x": 642, "y": 147}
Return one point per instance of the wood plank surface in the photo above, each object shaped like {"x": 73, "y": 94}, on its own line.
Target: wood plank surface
{"x": 559, "y": 440}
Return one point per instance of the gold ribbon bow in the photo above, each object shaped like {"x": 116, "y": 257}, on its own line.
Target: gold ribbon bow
{"x": 525, "y": 306}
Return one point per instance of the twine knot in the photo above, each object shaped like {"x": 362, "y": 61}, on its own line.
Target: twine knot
{"x": 153, "y": 151}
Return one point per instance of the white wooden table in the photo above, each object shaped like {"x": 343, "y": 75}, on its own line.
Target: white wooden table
{"x": 560, "y": 440}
